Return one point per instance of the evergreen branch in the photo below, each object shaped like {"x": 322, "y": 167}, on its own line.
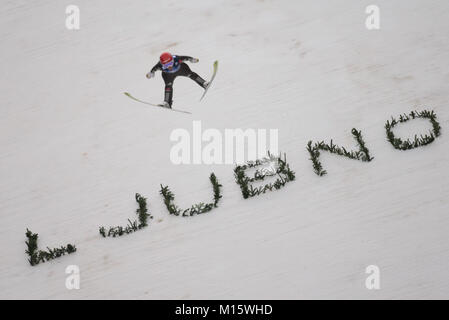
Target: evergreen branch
{"x": 37, "y": 256}
{"x": 361, "y": 154}
{"x": 282, "y": 170}
{"x": 132, "y": 226}
{"x": 422, "y": 140}
{"x": 198, "y": 208}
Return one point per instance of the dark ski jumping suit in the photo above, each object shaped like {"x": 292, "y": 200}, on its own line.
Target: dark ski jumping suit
{"x": 179, "y": 69}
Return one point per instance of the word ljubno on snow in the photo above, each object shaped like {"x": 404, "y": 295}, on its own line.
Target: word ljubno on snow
{"x": 266, "y": 167}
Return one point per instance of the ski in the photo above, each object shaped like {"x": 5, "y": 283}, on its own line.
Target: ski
{"x": 153, "y": 104}
{"x": 211, "y": 79}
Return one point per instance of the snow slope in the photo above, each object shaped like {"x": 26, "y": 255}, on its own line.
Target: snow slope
{"x": 75, "y": 150}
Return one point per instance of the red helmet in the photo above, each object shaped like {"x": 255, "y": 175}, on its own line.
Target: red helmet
{"x": 166, "y": 57}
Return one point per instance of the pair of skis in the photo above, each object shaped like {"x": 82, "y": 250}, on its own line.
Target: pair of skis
{"x": 162, "y": 106}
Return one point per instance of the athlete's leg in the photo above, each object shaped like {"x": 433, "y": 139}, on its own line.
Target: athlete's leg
{"x": 168, "y": 93}
{"x": 186, "y": 72}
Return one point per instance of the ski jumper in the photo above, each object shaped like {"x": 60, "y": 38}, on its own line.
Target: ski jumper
{"x": 178, "y": 68}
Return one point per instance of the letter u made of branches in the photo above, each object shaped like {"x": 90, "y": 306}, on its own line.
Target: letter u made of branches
{"x": 198, "y": 208}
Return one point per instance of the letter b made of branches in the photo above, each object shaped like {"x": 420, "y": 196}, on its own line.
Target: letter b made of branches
{"x": 271, "y": 166}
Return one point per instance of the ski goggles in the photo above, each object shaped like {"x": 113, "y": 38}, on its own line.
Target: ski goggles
{"x": 168, "y": 64}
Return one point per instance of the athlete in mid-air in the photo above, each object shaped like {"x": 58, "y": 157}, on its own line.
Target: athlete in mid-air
{"x": 173, "y": 66}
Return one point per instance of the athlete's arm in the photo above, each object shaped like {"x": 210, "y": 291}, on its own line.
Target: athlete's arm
{"x": 157, "y": 67}
{"x": 188, "y": 58}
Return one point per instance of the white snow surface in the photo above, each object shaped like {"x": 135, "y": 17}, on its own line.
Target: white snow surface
{"x": 75, "y": 150}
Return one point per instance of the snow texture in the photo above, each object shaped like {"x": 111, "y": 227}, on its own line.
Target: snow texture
{"x": 75, "y": 150}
